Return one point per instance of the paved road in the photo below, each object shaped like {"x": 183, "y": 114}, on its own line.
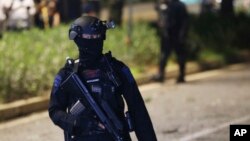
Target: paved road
{"x": 200, "y": 110}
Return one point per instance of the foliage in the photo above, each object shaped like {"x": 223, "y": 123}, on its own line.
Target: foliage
{"x": 30, "y": 59}
{"x": 224, "y": 37}
{"x": 142, "y": 49}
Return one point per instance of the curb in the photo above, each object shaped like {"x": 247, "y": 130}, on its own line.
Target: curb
{"x": 173, "y": 72}
{"x": 23, "y": 107}
{"x": 28, "y": 106}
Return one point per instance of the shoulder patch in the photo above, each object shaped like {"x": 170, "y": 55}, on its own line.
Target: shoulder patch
{"x": 128, "y": 74}
{"x": 57, "y": 83}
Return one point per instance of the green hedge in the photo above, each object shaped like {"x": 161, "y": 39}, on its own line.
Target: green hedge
{"x": 217, "y": 38}
{"x": 30, "y": 59}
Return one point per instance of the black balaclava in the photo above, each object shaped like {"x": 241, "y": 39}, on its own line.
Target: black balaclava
{"x": 90, "y": 50}
{"x": 88, "y": 33}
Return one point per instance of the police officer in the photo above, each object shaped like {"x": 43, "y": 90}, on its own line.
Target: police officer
{"x": 88, "y": 34}
{"x": 173, "y": 24}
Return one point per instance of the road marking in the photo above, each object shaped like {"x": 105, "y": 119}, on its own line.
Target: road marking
{"x": 208, "y": 131}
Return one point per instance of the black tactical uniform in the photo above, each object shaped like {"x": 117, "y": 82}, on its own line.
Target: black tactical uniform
{"x": 93, "y": 67}
{"x": 173, "y": 18}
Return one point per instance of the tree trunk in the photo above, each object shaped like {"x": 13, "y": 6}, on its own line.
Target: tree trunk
{"x": 69, "y": 9}
{"x": 227, "y": 8}
{"x": 115, "y": 11}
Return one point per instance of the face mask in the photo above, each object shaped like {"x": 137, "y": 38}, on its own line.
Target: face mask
{"x": 90, "y": 50}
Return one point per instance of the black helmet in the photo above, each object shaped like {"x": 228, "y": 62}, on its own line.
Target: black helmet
{"x": 88, "y": 27}
{"x": 88, "y": 33}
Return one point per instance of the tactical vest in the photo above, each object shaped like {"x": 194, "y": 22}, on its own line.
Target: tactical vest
{"x": 102, "y": 88}
{"x": 103, "y": 84}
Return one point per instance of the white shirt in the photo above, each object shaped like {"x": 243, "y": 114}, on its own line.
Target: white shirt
{"x": 4, "y": 4}
{"x": 21, "y": 13}
{"x": 20, "y": 9}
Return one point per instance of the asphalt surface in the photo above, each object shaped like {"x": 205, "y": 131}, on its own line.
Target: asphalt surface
{"x": 200, "y": 110}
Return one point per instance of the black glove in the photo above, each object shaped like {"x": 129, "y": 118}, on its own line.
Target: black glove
{"x": 82, "y": 125}
{"x": 85, "y": 125}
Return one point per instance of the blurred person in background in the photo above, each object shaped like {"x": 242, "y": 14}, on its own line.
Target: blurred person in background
{"x": 5, "y": 7}
{"x": 47, "y": 14}
{"x": 53, "y": 14}
{"x": 160, "y": 23}
{"x": 173, "y": 24}
{"x": 21, "y": 14}
{"x": 38, "y": 18}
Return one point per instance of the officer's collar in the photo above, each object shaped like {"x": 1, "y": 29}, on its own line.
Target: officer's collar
{"x": 90, "y": 64}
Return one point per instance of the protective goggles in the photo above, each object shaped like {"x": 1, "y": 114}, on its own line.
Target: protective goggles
{"x": 95, "y": 30}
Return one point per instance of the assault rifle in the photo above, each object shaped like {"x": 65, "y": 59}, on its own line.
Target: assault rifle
{"x": 74, "y": 85}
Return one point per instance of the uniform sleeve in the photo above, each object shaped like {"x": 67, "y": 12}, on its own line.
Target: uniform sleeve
{"x": 140, "y": 117}
{"x": 58, "y": 105}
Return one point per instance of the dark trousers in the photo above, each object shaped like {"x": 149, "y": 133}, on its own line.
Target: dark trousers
{"x": 168, "y": 45}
